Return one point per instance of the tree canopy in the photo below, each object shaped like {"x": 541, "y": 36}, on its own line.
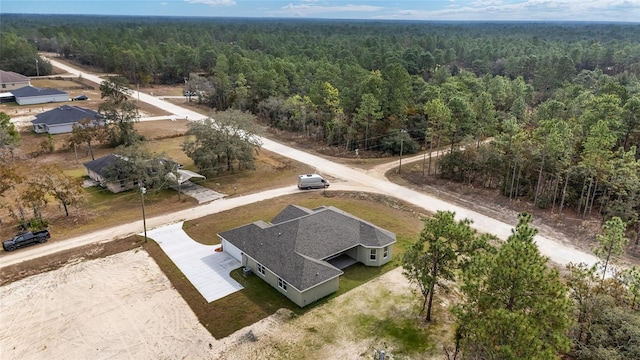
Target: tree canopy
{"x": 141, "y": 167}
{"x": 515, "y": 305}
{"x": 9, "y": 135}
{"x": 118, "y": 112}
{"x": 433, "y": 260}
{"x": 225, "y": 144}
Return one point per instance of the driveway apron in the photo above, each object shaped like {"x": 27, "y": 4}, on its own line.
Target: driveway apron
{"x": 198, "y": 192}
{"x": 207, "y": 269}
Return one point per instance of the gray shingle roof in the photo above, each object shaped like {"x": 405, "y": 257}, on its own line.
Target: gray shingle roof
{"x": 64, "y": 114}
{"x": 29, "y": 91}
{"x": 295, "y": 249}
{"x": 289, "y": 213}
{"x": 98, "y": 165}
{"x": 7, "y": 77}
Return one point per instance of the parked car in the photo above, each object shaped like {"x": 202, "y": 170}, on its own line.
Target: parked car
{"x": 25, "y": 239}
{"x": 80, "y": 97}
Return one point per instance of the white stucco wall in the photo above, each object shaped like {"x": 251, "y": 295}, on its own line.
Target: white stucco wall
{"x": 231, "y": 250}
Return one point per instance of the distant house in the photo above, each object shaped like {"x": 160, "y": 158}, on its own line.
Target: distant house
{"x": 61, "y": 119}
{"x": 301, "y": 252}
{"x": 98, "y": 170}
{"x": 11, "y": 81}
{"x": 30, "y": 95}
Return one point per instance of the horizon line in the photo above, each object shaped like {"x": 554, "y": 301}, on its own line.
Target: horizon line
{"x": 326, "y": 19}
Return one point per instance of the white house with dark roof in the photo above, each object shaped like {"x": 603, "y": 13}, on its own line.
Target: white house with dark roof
{"x": 30, "y": 95}
{"x": 302, "y": 251}
{"x": 61, "y": 119}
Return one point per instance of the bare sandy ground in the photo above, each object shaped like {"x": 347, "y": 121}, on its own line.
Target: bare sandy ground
{"x": 123, "y": 307}
{"x": 118, "y": 307}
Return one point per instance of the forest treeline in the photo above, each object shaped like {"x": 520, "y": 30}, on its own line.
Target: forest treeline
{"x": 547, "y": 112}
{"x": 561, "y": 101}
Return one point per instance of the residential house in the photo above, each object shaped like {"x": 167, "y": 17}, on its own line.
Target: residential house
{"x": 10, "y": 81}
{"x": 98, "y": 171}
{"x": 302, "y": 251}
{"x": 61, "y": 120}
{"x": 30, "y": 95}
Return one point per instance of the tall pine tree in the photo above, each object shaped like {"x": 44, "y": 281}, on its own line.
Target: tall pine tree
{"x": 516, "y": 307}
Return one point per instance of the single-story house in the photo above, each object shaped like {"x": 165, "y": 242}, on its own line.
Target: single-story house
{"x": 302, "y": 251}
{"x": 30, "y": 95}
{"x": 61, "y": 120}
{"x": 97, "y": 170}
{"x": 10, "y": 81}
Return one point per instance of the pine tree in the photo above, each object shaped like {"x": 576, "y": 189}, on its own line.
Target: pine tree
{"x": 516, "y": 307}
{"x": 433, "y": 259}
{"x": 612, "y": 242}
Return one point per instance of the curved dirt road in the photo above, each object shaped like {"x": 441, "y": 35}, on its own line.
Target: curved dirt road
{"x": 345, "y": 178}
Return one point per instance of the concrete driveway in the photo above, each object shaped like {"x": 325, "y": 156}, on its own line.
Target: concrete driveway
{"x": 198, "y": 192}
{"x": 207, "y": 269}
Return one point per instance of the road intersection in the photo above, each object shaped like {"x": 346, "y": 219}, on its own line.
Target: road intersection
{"x": 347, "y": 178}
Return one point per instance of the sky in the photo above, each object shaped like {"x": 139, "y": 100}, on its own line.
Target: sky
{"x": 438, "y": 10}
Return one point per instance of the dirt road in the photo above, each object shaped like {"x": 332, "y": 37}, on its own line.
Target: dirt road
{"x": 123, "y": 306}
{"x": 345, "y": 178}
{"x": 179, "y": 112}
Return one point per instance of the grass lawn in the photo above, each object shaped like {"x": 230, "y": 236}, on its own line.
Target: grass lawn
{"x": 258, "y": 299}
{"x": 272, "y": 171}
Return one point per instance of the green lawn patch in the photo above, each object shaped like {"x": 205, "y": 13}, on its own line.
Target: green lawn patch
{"x": 405, "y": 333}
{"x": 258, "y": 299}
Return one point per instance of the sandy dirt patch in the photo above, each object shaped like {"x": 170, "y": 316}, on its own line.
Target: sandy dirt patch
{"x": 121, "y": 306}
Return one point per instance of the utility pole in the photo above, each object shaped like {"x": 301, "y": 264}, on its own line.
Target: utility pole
{"x": 366, "y": 136}
{"x": 143, "y": 191}
{"x": 178, "y": 180}
{"x": 37, "y": 69}
{"x": 402, "y": 132}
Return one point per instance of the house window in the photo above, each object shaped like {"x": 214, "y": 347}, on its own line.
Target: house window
{"x": 282, "y": 284}
{"x": 373, "y": 254}
{"x": 261, "y": 269}
{"x": 386, "y": 252}
{"x": 121, "y": 183}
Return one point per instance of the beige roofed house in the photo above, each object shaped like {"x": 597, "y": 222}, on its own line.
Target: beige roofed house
{"x": 11, "y": 81}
